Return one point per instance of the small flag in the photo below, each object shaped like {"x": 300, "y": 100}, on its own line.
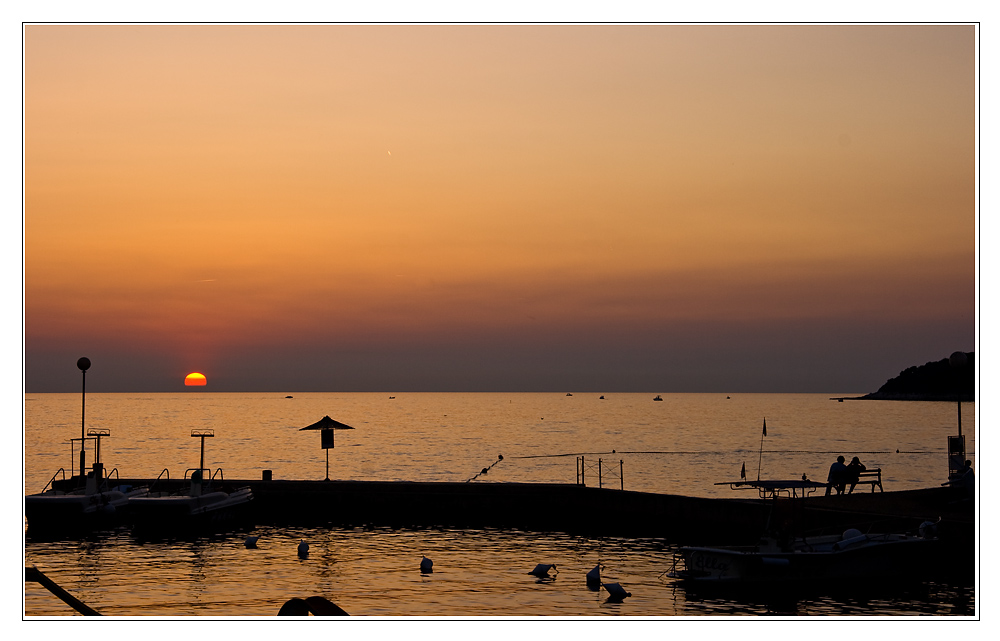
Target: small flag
{"x": 765, "y": 426}
{"x": 743, "y": 471}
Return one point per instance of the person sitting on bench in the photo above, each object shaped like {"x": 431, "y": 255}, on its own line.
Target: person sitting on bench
{"x": 836, "y": 478}
{"x": 854, "y": 471}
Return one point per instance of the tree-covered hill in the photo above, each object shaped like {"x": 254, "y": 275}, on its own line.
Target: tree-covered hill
{"x": 949, "y": 379}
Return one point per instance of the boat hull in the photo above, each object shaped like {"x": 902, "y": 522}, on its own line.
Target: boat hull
{"x": 57, "y": 512}
{"x": 210, "y": 513}
{"x": 876, "y": 557}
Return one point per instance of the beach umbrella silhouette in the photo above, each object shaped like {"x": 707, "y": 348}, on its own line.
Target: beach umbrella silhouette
{"x": 327, "y": 426}
{"x": 326, "y": 423}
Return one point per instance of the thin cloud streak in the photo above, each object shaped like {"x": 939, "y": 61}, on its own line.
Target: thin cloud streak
{"x": 551, "y": 186}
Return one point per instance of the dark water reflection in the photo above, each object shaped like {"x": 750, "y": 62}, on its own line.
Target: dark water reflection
{"x": 887, "y": 598}
{"x": 375, "y": 572}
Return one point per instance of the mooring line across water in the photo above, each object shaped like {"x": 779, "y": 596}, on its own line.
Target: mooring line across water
{"x": 718, "y": 452}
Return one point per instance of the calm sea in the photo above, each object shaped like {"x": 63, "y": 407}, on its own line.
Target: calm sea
{"x": 682, "y": 445}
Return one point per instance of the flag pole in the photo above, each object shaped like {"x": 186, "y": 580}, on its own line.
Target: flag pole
{"x": 760, "y": 454}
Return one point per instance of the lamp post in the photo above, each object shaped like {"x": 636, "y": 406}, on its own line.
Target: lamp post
{"x": 956, "y": 444}
{"x": 84, "y": 364}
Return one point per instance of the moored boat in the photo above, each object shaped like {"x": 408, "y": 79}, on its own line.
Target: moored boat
{"x": 850, "y": 556}
{"x": 84, "y": 502}
{"x": 192, "y": 511}
{"x": 94, "y": 506}
{"x": 205, "y": 506}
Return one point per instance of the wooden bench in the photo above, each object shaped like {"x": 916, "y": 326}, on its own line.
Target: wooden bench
{"x": 871, "y": 477}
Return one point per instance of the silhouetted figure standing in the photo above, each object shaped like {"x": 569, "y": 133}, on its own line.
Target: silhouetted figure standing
{"x": 854, "y": 471}
{"x": 966, "y": 479}
{"x": 837, "y": 477}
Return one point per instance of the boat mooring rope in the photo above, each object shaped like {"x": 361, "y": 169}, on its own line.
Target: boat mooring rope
{"x": 718, "y": 452}
{"x": 485, "y": 470}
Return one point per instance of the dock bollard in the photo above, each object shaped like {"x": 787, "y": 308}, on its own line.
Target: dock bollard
{"x": 265, "y": 475}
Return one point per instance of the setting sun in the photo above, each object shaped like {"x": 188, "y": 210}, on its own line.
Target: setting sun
{"x": 194, "y": 378}
{"x": 610, "y": 202}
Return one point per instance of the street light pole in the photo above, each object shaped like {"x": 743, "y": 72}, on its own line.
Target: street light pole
{"x": 956, "y": 444}
{"x": 84, "y": 365}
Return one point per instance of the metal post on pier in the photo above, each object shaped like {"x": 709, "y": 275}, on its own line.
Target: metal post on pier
{"x": 621, "y": 472}
{"x": 202, "y": 434}
{"x": 98, "y": 467}
{"x": 599, "y": 475}
{"x": 583, "y": 471}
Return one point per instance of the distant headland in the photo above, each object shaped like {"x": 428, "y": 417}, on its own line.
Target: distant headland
{"x": 949, "y": 379}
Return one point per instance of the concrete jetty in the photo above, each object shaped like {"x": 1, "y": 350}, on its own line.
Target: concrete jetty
{"x": 578, "y": 509}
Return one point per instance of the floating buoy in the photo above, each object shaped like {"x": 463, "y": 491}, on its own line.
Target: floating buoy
{"x": 542, "y": 569}
{"x": 250, "y": 542}
{"x": 303, "y": 549}
{"x": 426, "y": 565}
{"x": 594, "y": 576}
{"x": 616, "y": 592}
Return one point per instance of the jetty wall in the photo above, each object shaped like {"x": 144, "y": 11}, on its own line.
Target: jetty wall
{"x": 585, "y": 510}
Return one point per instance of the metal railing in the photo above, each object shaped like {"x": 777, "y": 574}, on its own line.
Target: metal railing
{"x": 581, "y": 471}
{"x": 53, "y": 479}
{"x": 106, "y": 481}
{"x": 211, "y": 475}
{"x": 153, "y": 485}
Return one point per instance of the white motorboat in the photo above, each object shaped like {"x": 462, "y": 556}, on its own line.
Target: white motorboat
{"x": 200, "y": 508}
{"x": 850, "y": 556}
{"x": 190, "y": 511}
{"x": 86, "y": 501}
{"x": 96, "y": 505}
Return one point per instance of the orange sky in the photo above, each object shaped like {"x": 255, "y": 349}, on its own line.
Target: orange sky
{"x": 196, "y": 194}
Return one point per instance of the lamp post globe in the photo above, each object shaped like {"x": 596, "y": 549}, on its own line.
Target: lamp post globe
{"x": 83, "y": 364}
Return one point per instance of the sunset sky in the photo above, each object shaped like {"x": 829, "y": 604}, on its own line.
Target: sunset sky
{"x": 511, "y": 208}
